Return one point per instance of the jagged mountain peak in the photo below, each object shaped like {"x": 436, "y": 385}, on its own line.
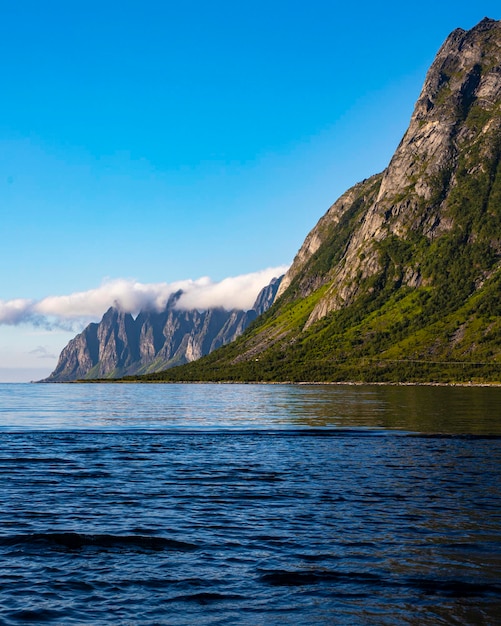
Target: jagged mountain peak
{"x": 457, "y": 119}
{"x": 121, "y": 344}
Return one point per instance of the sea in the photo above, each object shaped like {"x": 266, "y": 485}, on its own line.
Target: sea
{"x": 214, "y": 504}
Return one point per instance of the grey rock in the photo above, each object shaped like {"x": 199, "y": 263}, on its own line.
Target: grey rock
{"x": 410, "y": 196}
{"x": 121, "y": 345}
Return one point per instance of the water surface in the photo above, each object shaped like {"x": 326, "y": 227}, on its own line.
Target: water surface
{"x": 249, "y": 504}
{"x": 422, "y": 409}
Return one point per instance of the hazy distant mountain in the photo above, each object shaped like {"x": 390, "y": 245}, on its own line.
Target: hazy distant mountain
{"x": 401, "y": 278}
{"x": 121, "y": 345}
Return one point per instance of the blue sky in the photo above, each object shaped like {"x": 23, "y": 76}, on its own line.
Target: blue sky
{"x": 159, "y": 141}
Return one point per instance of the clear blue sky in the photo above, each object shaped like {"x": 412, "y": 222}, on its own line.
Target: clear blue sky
{"x": 171, "y": 140}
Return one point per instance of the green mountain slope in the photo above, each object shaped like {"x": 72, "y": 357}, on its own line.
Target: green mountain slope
{"x": 401, "y": 279}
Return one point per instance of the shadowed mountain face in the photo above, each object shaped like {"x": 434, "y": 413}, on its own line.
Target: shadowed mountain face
{"x": 120, "y": 345}
{"x": 401, "y": 278}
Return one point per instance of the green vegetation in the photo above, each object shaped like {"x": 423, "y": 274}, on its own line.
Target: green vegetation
{"x": 427, "y": 302}
{"x": 400, "y": 338}
{"x": 335, "y": 240}
{"x": 446, "y": 330}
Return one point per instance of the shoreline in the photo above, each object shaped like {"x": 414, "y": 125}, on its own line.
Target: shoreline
{"x": 293, "y": 383}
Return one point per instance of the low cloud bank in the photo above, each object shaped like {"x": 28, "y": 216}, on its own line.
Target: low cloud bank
{"x": 71, "y": 311}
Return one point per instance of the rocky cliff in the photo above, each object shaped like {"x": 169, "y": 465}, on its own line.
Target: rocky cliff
{"x": 121, "y": 345}
{"x": 400, "y": 279}
{"x": 454, "y": 133}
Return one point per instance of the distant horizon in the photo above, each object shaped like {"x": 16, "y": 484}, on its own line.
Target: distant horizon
{"x": 152, "y": 144}
{"x": 21, "y": 375}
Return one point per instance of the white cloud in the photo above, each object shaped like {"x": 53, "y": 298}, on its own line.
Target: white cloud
{"x": 131, "y": 296}
{"x": 15, "y": 311}
{"x": 236, "y": 292}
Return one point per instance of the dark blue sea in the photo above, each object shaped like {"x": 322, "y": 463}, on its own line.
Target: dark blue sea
{"x": 249, "y": 504}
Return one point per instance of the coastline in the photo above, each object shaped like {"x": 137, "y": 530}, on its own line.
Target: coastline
{"x": 285, "y": 382}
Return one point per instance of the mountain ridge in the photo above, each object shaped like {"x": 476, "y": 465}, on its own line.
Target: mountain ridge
{"x": 123, "y": 345}
{"x": 400, "y": 279}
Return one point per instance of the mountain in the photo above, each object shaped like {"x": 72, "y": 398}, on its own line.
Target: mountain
{"x": 400, "y": 280}
{"x": 121, "y": 345}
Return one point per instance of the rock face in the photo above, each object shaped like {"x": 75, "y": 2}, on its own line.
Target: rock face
{"x": 400, "y": 279}
{"x": 121, "y": 345}
{"x": 454, "y": 133}
{"x": 267, "y": 296}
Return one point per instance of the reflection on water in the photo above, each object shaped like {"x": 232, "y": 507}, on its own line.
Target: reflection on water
{"x": 433, "y": 409}
{"x": 249, "y": 504}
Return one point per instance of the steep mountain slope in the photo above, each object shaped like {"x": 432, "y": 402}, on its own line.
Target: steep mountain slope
{"x": 121, "y": 345}
{"x": 400, "y": 279}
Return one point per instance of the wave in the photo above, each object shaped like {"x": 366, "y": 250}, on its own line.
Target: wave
{"x": 427, "y": 586}
{"x": 275, "y": 430}
{"x": 37, "y": 616}
{"x": 78, "y": 541}
{"x": 205, "y": 597}
{"x": 311, "y": 577}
